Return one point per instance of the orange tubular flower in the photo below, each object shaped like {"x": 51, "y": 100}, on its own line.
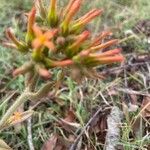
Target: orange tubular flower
{"x": 52, "y": 63}
{"x": 43, "y": 72}
{"x": 52, "y": 14}
{"x": 73, "y": 49}
{"x": 53, "y": 5}
{"x": 63, "y": 41}
{"x": 31, "y": 21}
{"x": 107, "y": 53}
{"x": 103, "y": 46}
{"x": 99, "y": 38}
{"x": 19, "y": 45}
{"x": 12, "y": 37}
{"x": 110, "y": 59}
{"x": 68, "y": 7}
{"x": 63, "y": 63}
{"x": 72, "y": 9}
{"x": 43, "y": 39}
{"x": 86, "y": 19}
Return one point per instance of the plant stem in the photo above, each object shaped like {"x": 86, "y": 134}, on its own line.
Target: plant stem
{"x": 26, "y": 95}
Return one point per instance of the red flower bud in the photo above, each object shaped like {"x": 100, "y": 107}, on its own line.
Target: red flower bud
{"x": 103, "y": 46}
{"x": 52, "y": 14}
{"x": 107, "y": 53}
{"x": 110, "y": 59}
{"x": 19, "y": 45}
{"x": 99, "y": 38}
{"x": 43, "y": 72}
{"x": 31, "y": 21}
{"x": 23, "y": 69}
{"x": 52, "y": 63}
{"x": 86, "y": 19}
{"x": 73, "y": 49}
{"x": 73, "y": 8}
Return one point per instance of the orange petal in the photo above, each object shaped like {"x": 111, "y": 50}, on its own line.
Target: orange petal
{"x": 49, "y": 34}
{"x": 52, "y": 4}
{"x": 31, "y": 19}
{"x": 63, "y": 63}
{"x": 105, "y": 45}
{"x": 49, "y": 44}
{"x": 12, "y": 37}
{"x": 69, "y": 6}
{"x": 80, "y": 40}
{"x": 36, "y": 43}
{"x": 107, "y": 53}
{"x": 86, "y": 15}
{"x": 99, "y": 38}
{"x": 37, "y": 31}
{"x": 87, "y": 18}
{"x": 111, "y": 59}
{"x": 73, "y": 10}
{"x": 44, "y": 73}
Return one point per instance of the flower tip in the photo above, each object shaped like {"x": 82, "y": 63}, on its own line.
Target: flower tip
{"x": 9, "y": 33}
{"x": 17, "y": 72}
{"x": 86, "y": 33}
{"x": 44, "y": 73}
{"x": 122, "y": 58}
{"x": 31, "y": 17}
{"x": 33, "y": 10}
{"x": 119, "y": 58}
{"x": 98, "y": 12}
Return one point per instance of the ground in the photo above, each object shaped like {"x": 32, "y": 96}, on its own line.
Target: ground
{"x": 126, "y": 85}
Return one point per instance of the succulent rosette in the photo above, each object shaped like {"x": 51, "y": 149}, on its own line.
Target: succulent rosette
{"x": 54, "y": 38}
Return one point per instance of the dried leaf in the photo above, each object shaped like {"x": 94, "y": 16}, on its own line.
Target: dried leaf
{"x": 69, "y": 122}
{"x": 4, "y": 146}
{"x": 69, "y": 126}
{"x": 24, "y": 116}
{"x": 146, "y": 107}
{"x": 70, "y": 117}
{"x": 50, "y": 144}
{"x": 13, "y": 121}
{"x": 56, "y": 142}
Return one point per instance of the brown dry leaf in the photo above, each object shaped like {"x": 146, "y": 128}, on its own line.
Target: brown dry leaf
{"x": 4, "y": 146}
{"x": 69, "y": 122}
{"x": 99, "y": 125}
{"x": 70, "y": 117}
{"x": 145, "y": 108}
{"x": 145, "y": 113}
{"x": 56, "y": 142}
{"x": 133, "y": 99}
{"x": 50, "y": 144}
{"x": 136, "y": 127}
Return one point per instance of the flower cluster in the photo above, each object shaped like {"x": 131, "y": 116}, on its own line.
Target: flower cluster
{"x": 54, "y": 38}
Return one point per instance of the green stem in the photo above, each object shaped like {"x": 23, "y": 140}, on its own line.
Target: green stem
{"x": 26, "y": 95}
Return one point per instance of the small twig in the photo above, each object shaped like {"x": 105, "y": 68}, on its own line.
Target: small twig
{"x": 29, "y": 129}
{"x": 130, "y": 91}
{"x": 73, "y": 146}
{"x": 108, "y": 71}
{"x": 113, "y": 131}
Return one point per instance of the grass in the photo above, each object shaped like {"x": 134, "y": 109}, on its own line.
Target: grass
{"x": 119, "y": 16}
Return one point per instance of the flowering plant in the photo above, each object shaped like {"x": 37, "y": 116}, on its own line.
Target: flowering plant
{"x": 55, "y": 38}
